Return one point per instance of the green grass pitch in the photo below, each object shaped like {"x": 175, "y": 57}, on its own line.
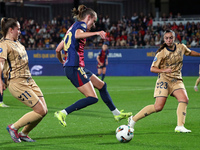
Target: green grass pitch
{"x": 93, "y": 128}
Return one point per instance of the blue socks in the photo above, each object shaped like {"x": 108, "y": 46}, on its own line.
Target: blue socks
{"x": 106, "y": 97}
{"x": 82, "y": 103}
{"x": 103, "y": 76}
{"x": 1, "y": 98}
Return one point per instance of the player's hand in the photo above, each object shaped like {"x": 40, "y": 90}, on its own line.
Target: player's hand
{"x": 1, "y": 87}
{"x": 168, "y": 70}
{"x": 102, "y": 34}
{"x": 4, "y": 86}
{"x": 63, "y": 62}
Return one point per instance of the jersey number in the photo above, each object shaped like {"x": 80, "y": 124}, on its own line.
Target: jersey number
{"x": 162, "y": 85}
{"x": 24, "y": 95}
{"x": 68, "y": 41}
{"x": 81, "y": 70}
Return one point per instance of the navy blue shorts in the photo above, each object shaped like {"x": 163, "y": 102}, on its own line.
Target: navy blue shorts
{"x": 77, "y": 75}
{"x": 100, "y": 67}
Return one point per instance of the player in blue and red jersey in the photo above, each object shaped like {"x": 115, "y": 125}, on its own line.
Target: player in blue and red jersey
{"x": 102, "y": 60}
{"x": 74, "y": 66}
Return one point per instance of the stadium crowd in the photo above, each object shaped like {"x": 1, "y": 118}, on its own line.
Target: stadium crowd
{"x": 135, "y": 32}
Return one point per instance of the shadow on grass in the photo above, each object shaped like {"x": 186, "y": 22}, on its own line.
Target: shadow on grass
{"x": 22, "y": 146}
{"x": 100, "y": 135}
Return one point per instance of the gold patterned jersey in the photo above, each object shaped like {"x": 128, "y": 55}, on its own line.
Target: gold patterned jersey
{"x": 16, "y": 65}
{"x": 173, "y": 59}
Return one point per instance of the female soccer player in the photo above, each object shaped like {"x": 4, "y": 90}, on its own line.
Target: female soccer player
{"x": 20, "y": 83}
{"x": 1, "y": 101}
{"x": 197, "y": 81}
{"x": 4, "y": 87}
{"x": 1, "y": 96}
{"x": 102, "y": 60}
{"x": 168, "y": 63}
{"x": 74, "y": 66}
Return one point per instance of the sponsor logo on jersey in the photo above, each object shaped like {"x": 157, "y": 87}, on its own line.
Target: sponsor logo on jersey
{"x": 36, "y": 70}
{"x": 1, "y": 50}
{"x": 83, "y": 25}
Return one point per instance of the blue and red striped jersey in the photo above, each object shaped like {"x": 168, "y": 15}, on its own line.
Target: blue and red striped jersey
{"x": 74, "y": 48}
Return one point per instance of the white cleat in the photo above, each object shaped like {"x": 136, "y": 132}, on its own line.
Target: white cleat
{"x": 129, "y": 120}
{"x": 131, "y": 129}
{"x": 131, "y": 123}
{"x": 182, "y": 129}
{"x": 3, "y": 105}
{"x": 196, "y": 88}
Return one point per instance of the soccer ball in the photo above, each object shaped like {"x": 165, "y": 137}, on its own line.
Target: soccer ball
{"x": 124, "y": 133}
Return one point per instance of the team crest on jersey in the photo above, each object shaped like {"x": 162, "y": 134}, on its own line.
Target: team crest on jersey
{"x": 155, "y": 59}
{"x": 1, "y": 50}
{"x": 83, "y": 25}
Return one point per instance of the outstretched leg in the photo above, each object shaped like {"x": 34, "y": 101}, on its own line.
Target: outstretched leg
{"x": 181, "y": 96}
{"x": 102, "y": 87}
{"x": 158, "y": 106}
{"x": 28, "y": 121}
{"x": 91, "y": 98}
{"x": 196, "y": 84}
{"x": 1, "y": 102}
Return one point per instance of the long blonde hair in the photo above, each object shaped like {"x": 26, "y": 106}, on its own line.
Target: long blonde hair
{"x": 81, "y": 12}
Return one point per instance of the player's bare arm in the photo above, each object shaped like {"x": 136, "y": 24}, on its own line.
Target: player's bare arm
{"x": 157, "y": 70}
{"x": 107, "y": 61}
{"x": 194, "y": 53}
{"x": 2, "y": 62}
{"x": 59, "y": 52}
{"x": 80, "y": 34}
{"x": 98, "y": 60}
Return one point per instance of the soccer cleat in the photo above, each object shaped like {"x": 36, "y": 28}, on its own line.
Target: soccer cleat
{"x": 196, "y": 88}
{"x": 25, "y": 138}
{"x": 122, "y": 115}
{"x": 13, "y": 133}
{"x": 129, "y": 121}
{"x": 3, "y": 105}
{"x": 131, "y": 129}
{"x": 61, "y": 117}
{"x": 182, "y": 129}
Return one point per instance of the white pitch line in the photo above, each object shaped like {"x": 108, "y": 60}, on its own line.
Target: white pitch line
{"x": 110, "y": 90}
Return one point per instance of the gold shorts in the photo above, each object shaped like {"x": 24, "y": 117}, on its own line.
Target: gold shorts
{"x": 166, "y": 87}
{"x": 25, "y": 90}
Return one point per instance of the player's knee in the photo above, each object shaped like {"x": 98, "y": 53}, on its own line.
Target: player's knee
{"x": 92, "y": 100}
{"x": 104, "y": 87}
{"x": 42, "y": 112}
{"x": 95, "y": 100}
{"x": 45, "y": 112}
{"x": 158, "y": 108}
{"x": 184, "y": 101}
{"x": 187, "y": 101}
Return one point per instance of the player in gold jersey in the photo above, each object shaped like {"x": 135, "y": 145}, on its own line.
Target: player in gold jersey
{"x": 4, "y": 79}
{"x": 168, "y": 63}
{"x": 197, "y": 81}
{"x": 20, "y": 83}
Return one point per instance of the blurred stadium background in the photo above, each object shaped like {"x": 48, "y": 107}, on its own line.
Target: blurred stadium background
{"x": 134, "y": 29}
{"x": 45, "y": 10}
